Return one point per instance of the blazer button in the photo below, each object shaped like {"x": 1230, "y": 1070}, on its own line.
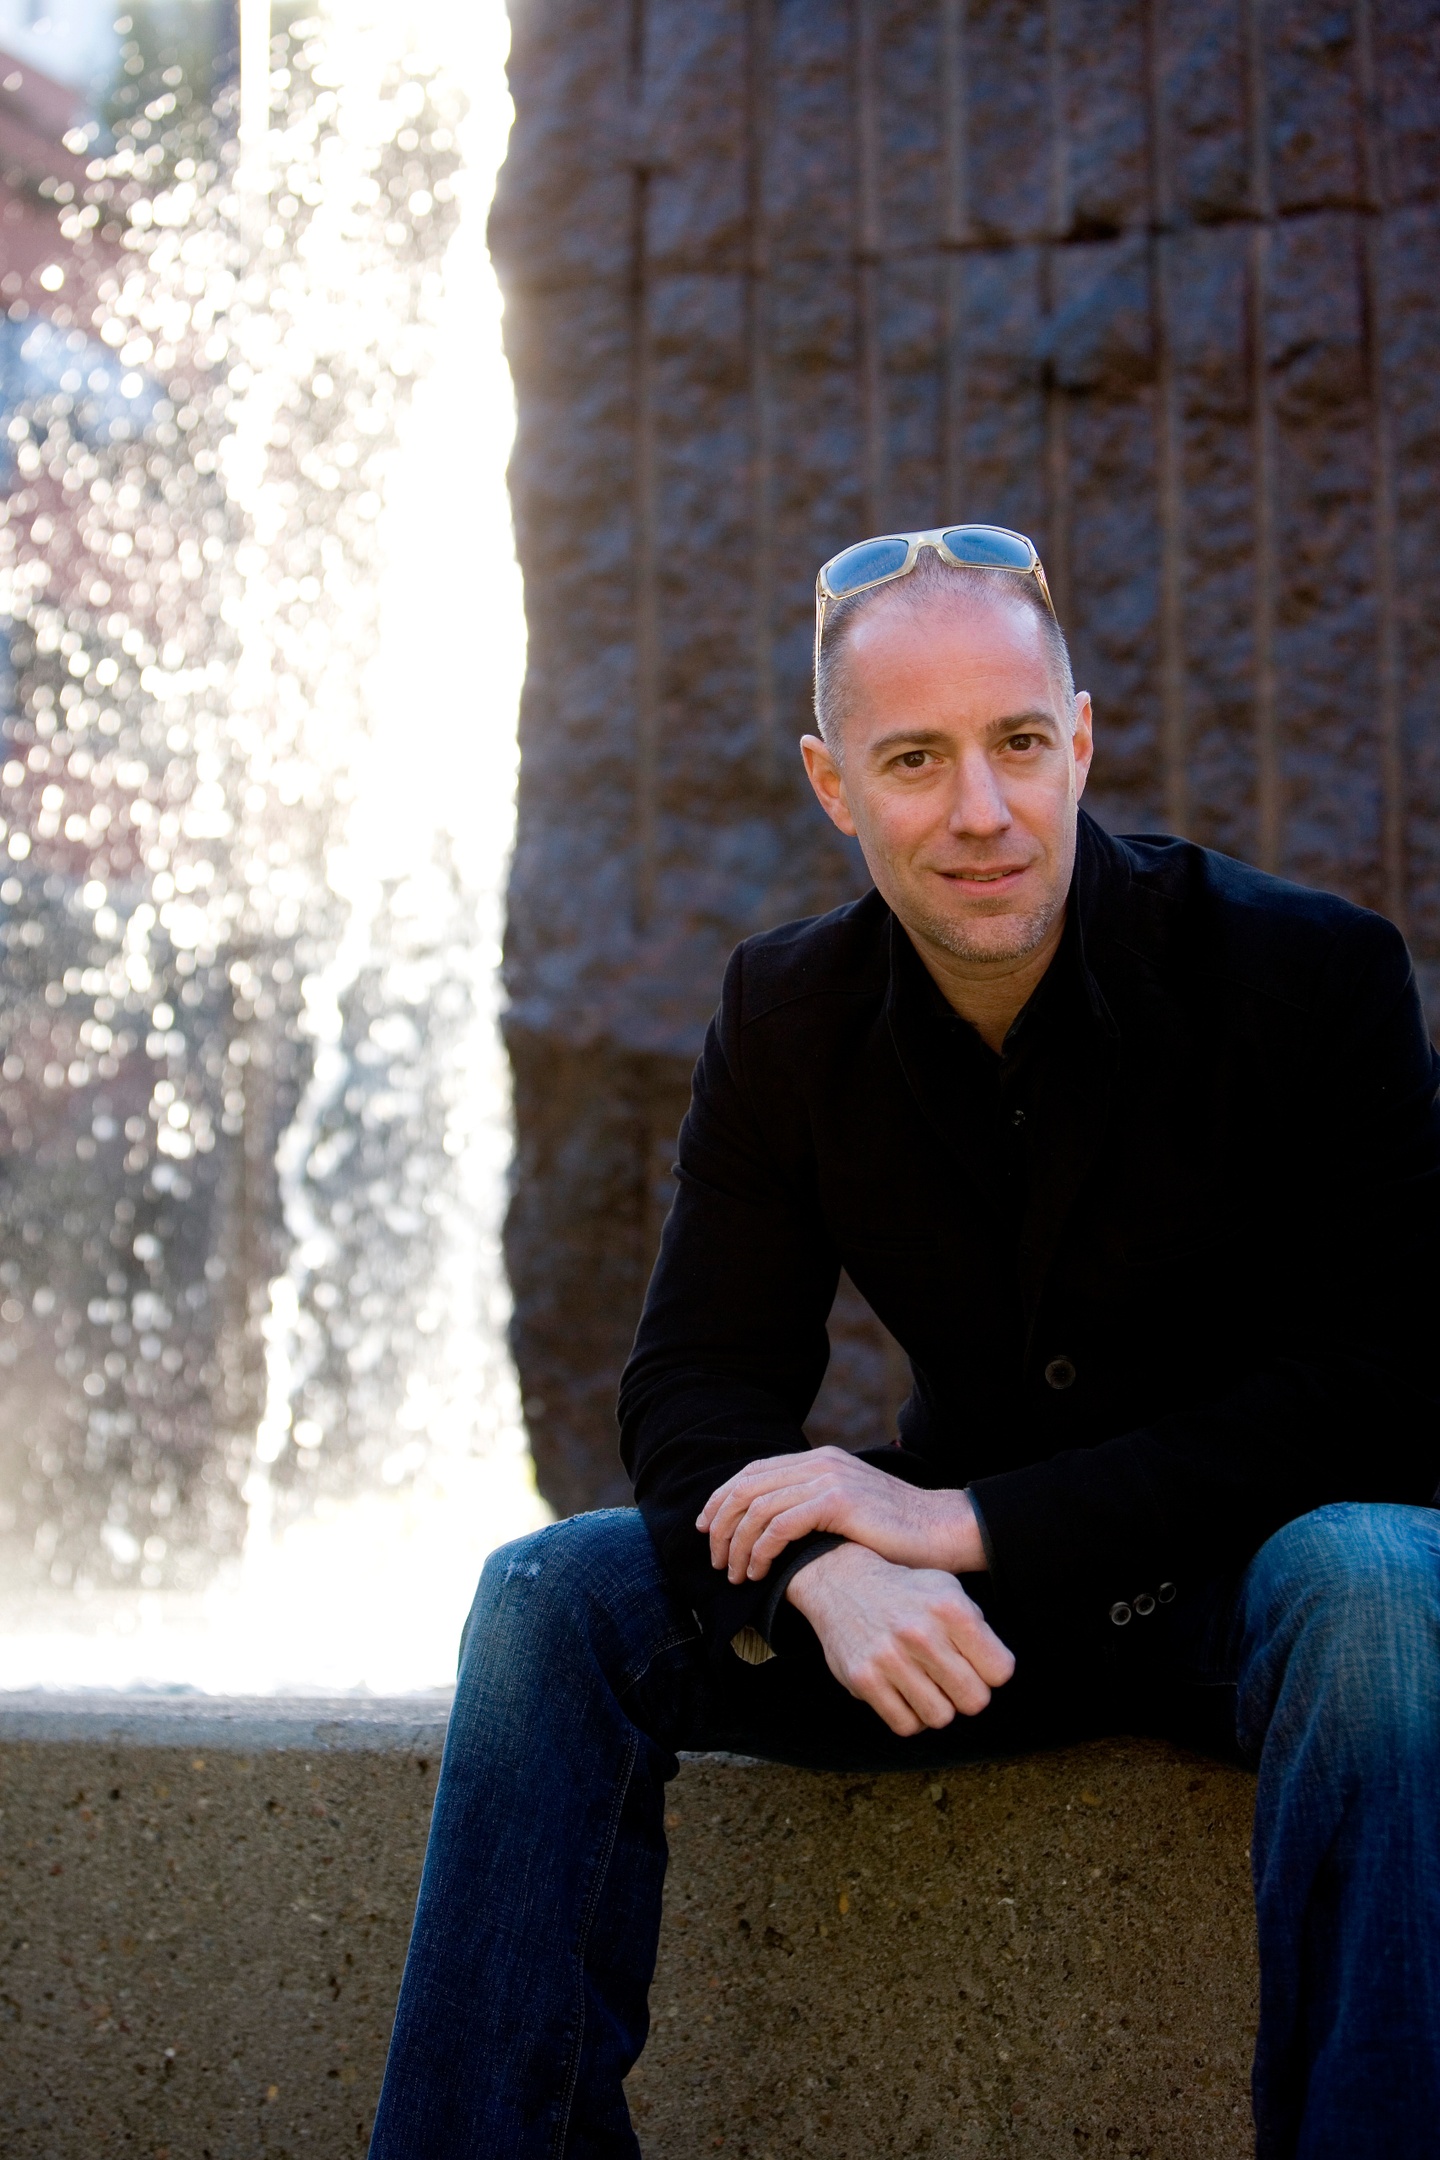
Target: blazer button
{"x": 1166, "y": 1593}
{"x": 1144, "y": 1603}
{"x": 1060, "y": 1373}
{"x": 1120, "y": 1613}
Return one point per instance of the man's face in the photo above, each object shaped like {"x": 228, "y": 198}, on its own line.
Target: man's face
{"x": 961, "y": 772}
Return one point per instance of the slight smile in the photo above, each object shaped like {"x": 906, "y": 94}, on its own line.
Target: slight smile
{"x": 988, "y": 878}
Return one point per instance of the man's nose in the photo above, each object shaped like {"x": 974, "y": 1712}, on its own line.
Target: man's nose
{"x": 978, "y": 805}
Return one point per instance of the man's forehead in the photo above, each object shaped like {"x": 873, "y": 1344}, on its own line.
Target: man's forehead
{"x": 909, "y": 626}
{"x": 972, "y": 661}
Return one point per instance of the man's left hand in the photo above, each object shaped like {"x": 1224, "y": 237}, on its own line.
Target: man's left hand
{"x": 754, "y": 1515}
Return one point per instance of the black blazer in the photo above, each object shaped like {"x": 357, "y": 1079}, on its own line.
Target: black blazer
{"x": 1217, "y": 1311}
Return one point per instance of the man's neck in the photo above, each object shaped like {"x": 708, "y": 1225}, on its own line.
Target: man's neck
{"x": 989, "y": 993}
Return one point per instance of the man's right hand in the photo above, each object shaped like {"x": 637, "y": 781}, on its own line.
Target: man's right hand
{"x": 908, "y": 1641}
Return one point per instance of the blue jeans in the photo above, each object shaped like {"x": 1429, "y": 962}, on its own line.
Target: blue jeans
{"x": 524, "y": 1998}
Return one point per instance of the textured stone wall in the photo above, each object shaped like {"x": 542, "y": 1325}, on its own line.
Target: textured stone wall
{"x": 1157, "y": 281}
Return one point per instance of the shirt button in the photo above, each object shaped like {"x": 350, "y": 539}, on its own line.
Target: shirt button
{"x": 1120, "y": 1613}
{"x": 1017, "y": 1117}
{"x": 1166, "y": 1593}
{"x": 1060, "y": 1373}
{"x": 1144, "y": 1603}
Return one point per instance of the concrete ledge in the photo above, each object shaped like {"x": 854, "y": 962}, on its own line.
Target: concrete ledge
{"x": 1038, "y": 1958}
{"x": 204, "y": 1908}
{"x": 234, "y": 1725}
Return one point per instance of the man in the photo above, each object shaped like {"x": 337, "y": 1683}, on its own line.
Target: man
{"x": 1136, "y": 1153}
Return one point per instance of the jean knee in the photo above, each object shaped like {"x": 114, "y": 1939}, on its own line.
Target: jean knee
{"x": 1353, "y": 1563}
{"x": 1342, "y": 1608}
{"x": 552, "y": 1593}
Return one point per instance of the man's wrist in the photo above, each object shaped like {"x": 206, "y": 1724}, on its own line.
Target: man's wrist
{"x": 807, "y": 1585}
{"x": 792, "y": 1562}
{"x": 961, "y": 1540}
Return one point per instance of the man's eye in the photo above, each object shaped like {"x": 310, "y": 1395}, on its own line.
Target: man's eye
{"x": 912, "y": 760}
{"x": 1023, "y": 742}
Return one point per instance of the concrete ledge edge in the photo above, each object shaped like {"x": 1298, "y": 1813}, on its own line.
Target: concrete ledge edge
{"x": 236, "y": 1725}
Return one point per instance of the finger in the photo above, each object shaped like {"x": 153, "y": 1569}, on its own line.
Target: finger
{"x": 951, "y": 1672}
{"x": 756, "y": 1477}
{"x": 725, "y": 1496}
{"x": 722, "y": 1493}
{"x": 867, "y": 1681}
{"x": 769, "y": 1469}
{"x": 761, "y": 1518}
{"x": 727, "y": 1519}
{"x": 893, "y": 1670}
{"x": 812, "y": 1512}
{"x": 977, "y": 1641}
{"x": 756, "y": 1511}
{"x": 711, "y": 1508}
{"x": 773, "y": 1470}
{"x": 933, "y": 1703}
{"x": 886, "y": 1701}
{"x": 926, "y": 1643}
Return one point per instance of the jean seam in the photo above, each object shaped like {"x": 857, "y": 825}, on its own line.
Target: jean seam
{"x": 622, "y": 1787}
{"x": 671, "y": 1642}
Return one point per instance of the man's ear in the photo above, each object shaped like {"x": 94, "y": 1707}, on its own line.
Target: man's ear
{"x": 828, "y": 782}
{"x": 1084, "y": 740}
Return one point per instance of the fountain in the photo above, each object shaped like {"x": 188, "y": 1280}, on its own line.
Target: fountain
{"x": 265, "y": 640}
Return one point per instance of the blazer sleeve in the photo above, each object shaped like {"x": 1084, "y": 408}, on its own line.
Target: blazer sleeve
{"x": 1347, "y": 1409}
{"x": 732, "y": 1343}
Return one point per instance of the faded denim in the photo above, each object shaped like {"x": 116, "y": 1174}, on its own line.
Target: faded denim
{"x": 524, "y": 1998}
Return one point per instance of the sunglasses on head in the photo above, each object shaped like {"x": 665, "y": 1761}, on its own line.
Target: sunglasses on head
{"x": 893, "y": 555}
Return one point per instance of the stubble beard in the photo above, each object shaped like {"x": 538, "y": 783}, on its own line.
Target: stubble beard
{"x": 1000, "y": 937}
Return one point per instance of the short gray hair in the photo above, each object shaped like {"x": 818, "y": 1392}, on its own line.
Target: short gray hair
{"x": 930, "y": 575}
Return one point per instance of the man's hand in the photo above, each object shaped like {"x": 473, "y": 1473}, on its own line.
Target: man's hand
{"x": 755, "y": 1515}
{"x": 905, "y": 1640}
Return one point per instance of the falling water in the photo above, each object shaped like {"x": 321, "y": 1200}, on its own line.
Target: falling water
{"x": 265, "y": 644}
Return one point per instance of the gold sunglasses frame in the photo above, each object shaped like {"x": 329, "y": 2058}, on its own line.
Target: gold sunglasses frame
{"x": 915, "y": 541}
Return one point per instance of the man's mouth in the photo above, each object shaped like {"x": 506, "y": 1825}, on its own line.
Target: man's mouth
{"x": 984, "y": 877}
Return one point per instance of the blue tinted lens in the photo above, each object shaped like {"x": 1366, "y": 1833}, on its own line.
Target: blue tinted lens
{"x": 987, "y": 547}
{"x": 863, "y": 564}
